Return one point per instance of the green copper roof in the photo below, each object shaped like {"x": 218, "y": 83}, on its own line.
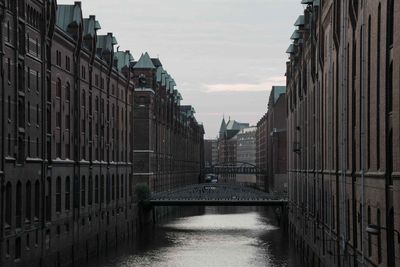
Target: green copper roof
{"x": 290, "y": 49}
{"x": 296, "y": 35}
{"x": 68, "y": 15}
{"x": 97, "y": 25}
{"x": 277, "y": 91}
{"x": 144, "y": 62}
{"x": 300, "y": 21}
{"x": 222, "y": 128}
{"x": 123, "y": 59}
{"x": 89, "y": 26}
{"x": 105, "y": 43}
{"x": 159, "y": 74}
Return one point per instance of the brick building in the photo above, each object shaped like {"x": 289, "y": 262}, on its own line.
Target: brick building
{"x": 67, "y": 137}
{"x": 246, "y": 152}
{"x": 271, "y": 149}
{"x": 210, "y": 152}
{"x": 168, "y": 139}
{"x": 227, "y": 145}
{"x": 343, "y": 132}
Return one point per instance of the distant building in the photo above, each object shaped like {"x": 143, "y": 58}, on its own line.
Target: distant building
{"x": 210, "y": 152}
{"x": 246, "y": 152}
{"x": 271, "y": 143}
{"x": 227, "y": 145}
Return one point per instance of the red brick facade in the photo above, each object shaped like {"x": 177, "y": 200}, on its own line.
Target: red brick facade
{"x": 343, "y": 132}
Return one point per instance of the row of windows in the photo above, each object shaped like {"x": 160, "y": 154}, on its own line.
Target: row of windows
{"x": 97, "y": 190}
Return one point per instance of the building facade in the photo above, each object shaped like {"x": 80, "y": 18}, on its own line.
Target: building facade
{"x": 343, "y": 132}
{"x": 246, "y": 152}
{"x": 169, "y": 140}
{"x": 210, "y": 152}
{"x": 227, "y": 146}
{"x": 67, "y": 137}
{"x": 271, "y": 151}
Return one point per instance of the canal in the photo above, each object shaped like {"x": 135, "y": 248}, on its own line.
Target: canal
{"x": 210, "y": 236}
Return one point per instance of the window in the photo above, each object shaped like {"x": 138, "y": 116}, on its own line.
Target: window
{"x": 37, "y": 114}
{"x": 96, "y": 188}
{"x": 29, "y": 112}
{"x": 58, "y": 194}
{"x": 90, "y": 190}
{"x": 48, "y": 199}
{"x": 37, "y": 200}
{"x": 108, "y": 189}
{"x": 67, "y": 92}
{"x": 117, "y": 189}
{"x": 18, "y": 205}
{"x": 58, "y": 58}
{"x": 28, "y": 74}
{"x": 9, "y": 107}
{"x": 83, "y": 191}
{"x": 83, "y": 73}
{"x": 9, "y": 69}
{"x": 8, "y": 204}
{"x": 8, "y": 31}
{"x": 102, "y": 189}
{"x": 28, "y": 196}
{"x": 58, "y": 88}
{"x": 67, "y": 193}
{"x": 67, "y": 63}
{"x": 113, "y": 188}
{"x": 18, "y": 248}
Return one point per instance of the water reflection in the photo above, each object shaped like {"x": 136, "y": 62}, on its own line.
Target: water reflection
{"x": 219, "y": 237}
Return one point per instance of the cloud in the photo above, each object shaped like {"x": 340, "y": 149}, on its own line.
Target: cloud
{"x": 245, "y": 87}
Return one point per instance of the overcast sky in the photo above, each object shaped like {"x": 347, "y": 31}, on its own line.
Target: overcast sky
{"x": 223, "y": 54}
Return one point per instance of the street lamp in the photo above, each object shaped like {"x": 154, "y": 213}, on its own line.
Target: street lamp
{"x": 376, "y": 230}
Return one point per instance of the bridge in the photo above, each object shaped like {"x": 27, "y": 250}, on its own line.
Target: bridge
{"x": 209, "y": 194}
{"x": 233, "y": 168}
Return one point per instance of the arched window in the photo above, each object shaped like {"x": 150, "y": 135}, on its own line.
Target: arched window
{"x": 8, "y": 203}
{"x": 28, "y": 198}
{"x": 58, "y": 194}
{"x": 90, "y": 190}
{"x": 37, "y": 199}
{"x": 18, "y": 205}
{"x": 83, "y": 191}
{"x": 67, "y": 193}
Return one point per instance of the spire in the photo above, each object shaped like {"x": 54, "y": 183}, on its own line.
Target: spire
{"x": 223, "y": 125}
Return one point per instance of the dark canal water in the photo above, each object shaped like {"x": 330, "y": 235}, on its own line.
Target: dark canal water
{"x": 211, "y": 236}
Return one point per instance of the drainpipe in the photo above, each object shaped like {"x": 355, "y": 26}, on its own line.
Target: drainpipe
{"x": 2, "y": 164}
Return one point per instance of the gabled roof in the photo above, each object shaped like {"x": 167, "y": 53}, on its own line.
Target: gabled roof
{"x": 159, "y": 74}
{"x": 296, "y": 35}
{"x": 68, "y": 15}
{"x": 276, "y": 92}
{"x": 156, "y": 62}
{"x": 300, "y": 21}
{"x": 105, "y": 43}
{"x": 89, "y": 26}
{"x": 144, "y": 62}
{"x": 123, "y": 58}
